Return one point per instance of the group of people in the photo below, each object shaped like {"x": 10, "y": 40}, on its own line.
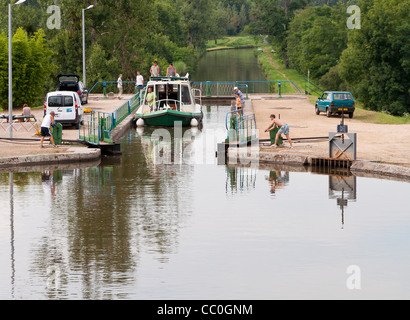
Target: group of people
{"x": 139, "y": 83}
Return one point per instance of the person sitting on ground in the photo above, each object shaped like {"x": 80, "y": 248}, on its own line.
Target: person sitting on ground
{"x": 27, "y": 113}
{"x": 284, "y": 128}
{"x": 45, "y": 128}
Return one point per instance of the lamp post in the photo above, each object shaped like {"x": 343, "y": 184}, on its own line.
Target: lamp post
{"x": 84, "y": 77}
{"x": 11, "y": 71}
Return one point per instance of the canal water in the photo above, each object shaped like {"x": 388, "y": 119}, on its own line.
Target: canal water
{"x": 165, "y": 221}
{"x": 229, "y": 65}
{"x": 149, "y": 226}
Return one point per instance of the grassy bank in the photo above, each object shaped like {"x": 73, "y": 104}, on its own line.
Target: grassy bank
{"x": 235, "y": 43}
{"x": 275, "y": 70}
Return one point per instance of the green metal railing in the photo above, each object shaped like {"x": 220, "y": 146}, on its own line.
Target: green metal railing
{"x": 104, "y": 86}
{"x": 310, "y": 88}
{"x": 225, "y": 88}
{"x": 240, "y": 129}
{"x": 247, "y": 129}
{"x": 97, "y": 126}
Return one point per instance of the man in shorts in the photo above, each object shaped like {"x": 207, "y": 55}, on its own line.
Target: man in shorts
{"x": 284, "y": 128}
{"x": 48, "y": 121}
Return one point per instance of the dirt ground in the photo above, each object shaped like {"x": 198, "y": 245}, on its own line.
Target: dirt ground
{"x": 375, "y": 142}
{"x": 28, "y": 130}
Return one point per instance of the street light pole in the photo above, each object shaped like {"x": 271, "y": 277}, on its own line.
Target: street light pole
{"x": 11, "y": 71}
{"x": 84, "y": 76}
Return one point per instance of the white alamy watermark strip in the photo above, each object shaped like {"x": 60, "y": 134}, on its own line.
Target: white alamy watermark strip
{"x": 354, "y": 21}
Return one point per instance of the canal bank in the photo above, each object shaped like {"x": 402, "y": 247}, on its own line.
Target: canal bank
{"x": 377, "y": 156}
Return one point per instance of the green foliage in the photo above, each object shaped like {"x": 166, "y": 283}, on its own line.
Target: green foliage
{"x": 376, "y": 62}
{"x": 31, "y": 67}
{"x": 316, "y": 38}
{"x": 332, "y": 81}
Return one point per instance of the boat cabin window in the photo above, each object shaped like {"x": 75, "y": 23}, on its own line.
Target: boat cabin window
{"x": 185, "y": 95}
{"x": 168, "y": 96}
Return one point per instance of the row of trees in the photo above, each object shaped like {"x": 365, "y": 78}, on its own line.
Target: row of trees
{"x": 122, "y": 36}
{"x": 371, "y": 60}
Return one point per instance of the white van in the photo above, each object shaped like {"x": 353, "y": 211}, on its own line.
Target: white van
{"x": 66, "y": 106}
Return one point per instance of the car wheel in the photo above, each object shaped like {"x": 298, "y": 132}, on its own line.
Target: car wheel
{"x": 317, "y": 110}
{"x": 351, "y": 115}
{"x": 328, "y": 113}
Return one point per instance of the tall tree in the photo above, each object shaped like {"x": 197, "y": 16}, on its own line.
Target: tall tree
{"x": 376, "y": 63}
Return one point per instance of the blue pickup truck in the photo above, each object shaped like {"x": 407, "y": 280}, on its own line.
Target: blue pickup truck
{"x": 335, "y": 102}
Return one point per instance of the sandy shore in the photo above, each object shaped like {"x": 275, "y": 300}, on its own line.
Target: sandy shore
{"x": 375, "y": 142}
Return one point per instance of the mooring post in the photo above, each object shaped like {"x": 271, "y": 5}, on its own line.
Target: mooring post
{"x": 208, "y": 89}
{"x": 279, "y": 85}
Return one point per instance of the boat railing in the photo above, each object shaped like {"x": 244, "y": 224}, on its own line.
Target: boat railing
{"x": 199, "y": 96}
{"x": 165, "y": 104}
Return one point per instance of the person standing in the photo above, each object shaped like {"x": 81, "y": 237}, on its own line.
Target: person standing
{"x": 48, "y": 121}
{"x": 284, "y": 128}
{"x": 238, "y": 104}
{"x": 119, "y": 85}
{"x": 171, "y": 71}
{"x": 151, "y": 99}
{"x": 154, "y": 70}
{"x": 239, "y": 92}
{"x": 140, "y": 81}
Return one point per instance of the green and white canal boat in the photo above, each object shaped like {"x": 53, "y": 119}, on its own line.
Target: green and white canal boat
{"x": 167, "y": 100}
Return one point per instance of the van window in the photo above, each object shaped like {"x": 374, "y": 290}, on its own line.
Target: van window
{"x": 55, "y": 101}
{"x": 68, "y": 101}
{"x": 60, "y": 101}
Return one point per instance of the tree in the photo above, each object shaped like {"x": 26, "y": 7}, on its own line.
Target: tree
{"x": 31, "y": 67}
{"x": 376, "y": 63}
{"x": 198, "y": 22}
{"x": 316, "y": 38}
{"x": 272, "y": 17}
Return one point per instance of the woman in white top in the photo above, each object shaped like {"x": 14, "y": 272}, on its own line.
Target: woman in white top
{"x": 140, "y": 81}
{"x": 119, "y": 85}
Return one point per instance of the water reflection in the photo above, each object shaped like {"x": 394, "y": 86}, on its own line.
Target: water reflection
{"x": 342, "y": 187}
{"x": 277, "y": 180}
{"x": 239, "y": 178}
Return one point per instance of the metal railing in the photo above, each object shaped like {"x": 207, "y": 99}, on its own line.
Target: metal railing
{"x": 240, "y": 128}
{"x": 97, "y": 126}
{"x": 310, "y": 88}
{"x": 104, "y": 86}
{"x": 225, "y": 88}
{"x": 247, "y": 129}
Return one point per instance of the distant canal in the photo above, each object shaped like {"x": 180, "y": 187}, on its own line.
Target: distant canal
{"x": 186, "y": 228}
{"x": 229, "y": 65}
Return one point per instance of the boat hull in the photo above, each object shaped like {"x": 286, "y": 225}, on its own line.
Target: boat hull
{"x": 167, "y": 118}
